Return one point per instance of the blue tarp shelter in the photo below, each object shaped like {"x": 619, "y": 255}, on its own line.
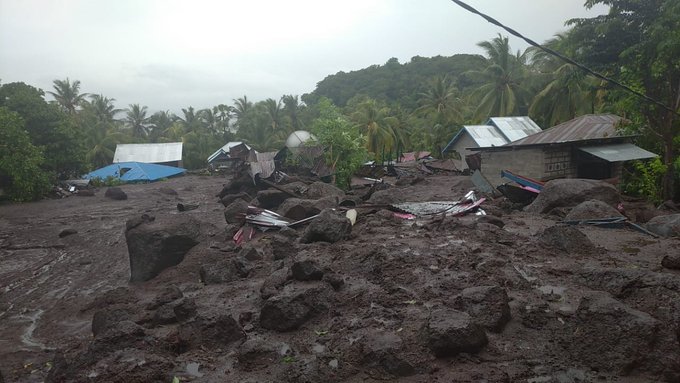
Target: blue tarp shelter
{"x": 135, "y": 172}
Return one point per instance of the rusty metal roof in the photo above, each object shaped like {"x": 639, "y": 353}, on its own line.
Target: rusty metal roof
{"x": 590, "y": 126}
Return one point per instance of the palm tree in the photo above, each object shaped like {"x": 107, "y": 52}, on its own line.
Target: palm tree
{"x": 67, "y": 95}
{"x": 137, "y": 121}
{"x": 274, "y": 112}
{"x": 191, "y": 121}
{"x": 291, "y": 108}
{"x": 103, "y": 107}
{"x": 159, "y": 123}
{"x": 375, "y": 122}
{"x": 441, "y": 101}
{"x": 502, "y": 93}
{"x": 241, "y": 107}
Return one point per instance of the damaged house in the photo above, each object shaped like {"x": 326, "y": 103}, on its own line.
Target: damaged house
{"x": 498, "y": 131}
{"x": 586, "y": 147}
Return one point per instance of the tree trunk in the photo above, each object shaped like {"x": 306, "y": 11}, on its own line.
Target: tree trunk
{"x": 668, "y": 161}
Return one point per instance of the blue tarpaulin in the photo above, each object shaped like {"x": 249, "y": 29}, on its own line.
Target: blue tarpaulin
{"x": 135, "y": 172}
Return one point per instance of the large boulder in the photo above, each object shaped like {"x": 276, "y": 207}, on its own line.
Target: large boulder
{"x": 488, "y": 306}
{"x": 294, "y": 306}
{"x": 665, "y": 225}
{"x": 106, "y": 319}
{"x": 115, "y": 193}
{"x": 611, "y": 336}
{"x": 571, "y": 192}
{"x": 380, "y": 350}
{"x": 271, "y": 198}
{"x": 449, "y": 332}
{"x": 224, "y": 271}
{"x": 592, "y": 209}
{"x": 156, "y": 245}
{"x": 566, "y": 238}
{"x": 235, "y": 212}
{"x": 297, "y": 209}
{"x": 306, "y": 270}
{"x": 329, "y": 226}
{"x": 671, "y": 261}
{"x": 320, "y": 189}
{"x": 210, "y": 332}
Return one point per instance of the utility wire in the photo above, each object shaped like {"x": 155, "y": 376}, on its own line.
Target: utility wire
{"x": 564, "y": 58}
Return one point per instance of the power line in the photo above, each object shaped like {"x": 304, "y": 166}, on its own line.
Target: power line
{"x": 564, "y": 58}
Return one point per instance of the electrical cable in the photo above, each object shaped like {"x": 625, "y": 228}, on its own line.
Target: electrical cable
{"x": 564, "y": 58}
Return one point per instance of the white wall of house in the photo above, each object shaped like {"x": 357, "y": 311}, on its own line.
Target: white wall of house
{"x": 465, "y": 141}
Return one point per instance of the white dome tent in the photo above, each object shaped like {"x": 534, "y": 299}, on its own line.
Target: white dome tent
{"x": 298, "y": 138}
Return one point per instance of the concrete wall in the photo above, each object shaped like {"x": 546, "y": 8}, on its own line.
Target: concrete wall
{"x": 529, "y": 162}
{"x": 558, "y": 163}
{"x": 465, "y": 141}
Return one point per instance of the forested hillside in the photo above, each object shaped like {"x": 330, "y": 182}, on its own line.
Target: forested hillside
{"x": 396, "y": 83}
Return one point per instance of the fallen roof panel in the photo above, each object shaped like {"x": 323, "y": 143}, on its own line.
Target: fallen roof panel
{"x": 618, "y": 152}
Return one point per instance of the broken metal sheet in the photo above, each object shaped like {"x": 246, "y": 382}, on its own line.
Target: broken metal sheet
{"x": 517, "y": 194}
{"x": 447, "y": 165}
{"x": 526, "y": 182}
{"x": 453, "y": 208}
{"x": 267, "y": 218}
{"x": 611, "y": 223}
{"x": 618, "y": 152}
{"x": 482, "y": 183}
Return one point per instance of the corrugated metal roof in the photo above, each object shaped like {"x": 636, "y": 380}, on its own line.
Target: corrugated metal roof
{"x": 148, "y": 153}
{"x": 618, "y": 152}
{"x": 515, "y": 128}
{"x": 225, "y": 149}
{"x": 590, "y": 126}
{"x": 485, "y": 135}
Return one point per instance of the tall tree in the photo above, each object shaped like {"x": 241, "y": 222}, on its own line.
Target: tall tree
{"x": 502, "y": 93}
{"x": 67, "y": 95}
{"x": 375, "y": 122}
{"x": 137, "y": 121}
{"x": 291, "y": 108}
{"x": 274, "y": 112}
{"x": 638, "y": 42}
{"x": 443, "y": 110}
{"x": 103, "y": 107}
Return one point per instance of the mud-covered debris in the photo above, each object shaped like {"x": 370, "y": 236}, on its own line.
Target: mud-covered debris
{"x": 182, "y": 207}
{"x": 230, "y": 198}
{"x": 271, "y": 198}
{"x": 306, "y": 270}
{"x": 297, "y": 209}
{"x": 251, "y": 253}
{"x": 67, "y": 232}
{"x": 320, "y": 189}
{"x": 490, "y": 219}
{"x": 293, "y": 306}
{"x": 329, "y": 226}
{"x": 571, "y": 192}
{"x": 381, "y": 351}
{"x": 665, "y": 225}
{"x": 167, "y": 190}
{"x": 115, "y": 194}
{"x": 105, "y": 319}
{"x": 85, "y": 193}
{"x": 155, "y": 246}
{"x": 164, "y": 315}
{"x": 224, "y": 271}
{"x": 274, "y": 283}
{"x": 488, "y": 306}
{"x": 449, "y": 332}
{"x": 169, "y": 294}
{"x": 185, "y": 309}
{"x": 611, "y": 336}
{"x": 335, "y": 280}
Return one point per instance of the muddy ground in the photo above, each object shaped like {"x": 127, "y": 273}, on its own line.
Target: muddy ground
{"x": 600, "y": 308}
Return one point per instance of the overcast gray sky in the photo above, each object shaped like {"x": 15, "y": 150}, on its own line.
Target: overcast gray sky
{"x": 170, "y": 54}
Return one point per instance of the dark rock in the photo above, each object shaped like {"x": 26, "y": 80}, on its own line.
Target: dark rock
{"x": 297, "y": 209}
{"x": 117, "y": 296}
{"x": 380, "y": 351}
{"x": 85, "y": 193}
{"x": 282, "y": 247}
{"x": 329, "y": 226}
{"x": 450, "y": 332}
{"x": 115, "y": 193}
{"x": 335, "y": 280}
{"x": 566, "y": 238}
{"x": 571, "y": 192}
{"x": 169, "y": 294}
{"x": 611, "y": 336}
{"x": 155, "y": 246}
{"x": 671, "y": 262}
{"x": 185, "y": 310}
{"x": 592, "y": 209}
{"x": 136, "y": 221}
{"x": 256, "y": 354}
{"x": 251, "y": 253}
{"x": 387, "y": 197}
{"x": 274, "y": 283}
{"x": 271, "y": 198}
{"x": 209, "y": 332}
{"x": 293, "y": 306}
{"x": 487, "y": 305}
{"x": 230, "y": 231}
{"x": 67, "y": 232}
{"x": 245, "y": 317}
{"x": 230, "y": 198}
{"x": 224, "y": 271}
{"x": 120, "y": 335}
{"x": 321, "y": 189}
{"x": 325, "y": 203}
{"x": 106, "y": 319}
{"x": 306, "y": 270}
{"x": 665, "y": 225}
{"x": 164, "y": 315}
{"x": 490, "y": 219}
{"x": 234, "y": 213}
{"x": 167, "y": 190}
{"x": 289, "y": 232}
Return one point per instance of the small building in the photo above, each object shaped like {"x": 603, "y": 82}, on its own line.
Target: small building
{"x": 586, "y": 147}
{"x": 498, "y": 131}
{"x": 169, "y": 154}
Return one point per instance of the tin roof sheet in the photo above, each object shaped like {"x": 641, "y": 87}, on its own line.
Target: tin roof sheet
{"x": 590, "y": 126}
{"x": 148, "y": 153}
{"x": 618, "y": 152}
{"x": 515, "y": 128}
